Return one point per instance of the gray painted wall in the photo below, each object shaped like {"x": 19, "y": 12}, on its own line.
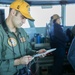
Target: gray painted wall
{"x": 41, "y": 30}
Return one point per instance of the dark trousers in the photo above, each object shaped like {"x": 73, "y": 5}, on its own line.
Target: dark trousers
{"x": 59, "y": 55}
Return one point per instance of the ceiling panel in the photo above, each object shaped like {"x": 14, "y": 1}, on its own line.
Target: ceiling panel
{"x": 41, "y": 2}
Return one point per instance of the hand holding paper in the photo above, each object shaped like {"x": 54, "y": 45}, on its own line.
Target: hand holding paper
{"x": 48, "y": 51}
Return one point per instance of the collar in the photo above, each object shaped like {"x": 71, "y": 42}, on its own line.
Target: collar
{"x": 7, "y": 29}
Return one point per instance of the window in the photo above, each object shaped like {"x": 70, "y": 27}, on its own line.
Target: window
{"x": 42, "y": 16}
{"x": 70, "y": 14}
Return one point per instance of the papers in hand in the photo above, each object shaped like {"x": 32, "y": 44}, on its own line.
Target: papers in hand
{"x": 48, "y": 51}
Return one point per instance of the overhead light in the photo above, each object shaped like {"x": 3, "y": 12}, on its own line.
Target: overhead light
{"x": 4, "y": 5}
{"x": 46, "y": 6}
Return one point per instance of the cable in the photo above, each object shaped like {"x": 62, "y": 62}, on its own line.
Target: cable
{"x": 29, "y": 67}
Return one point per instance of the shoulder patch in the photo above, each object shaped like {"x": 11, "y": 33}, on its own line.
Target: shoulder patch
{"x": 12, "y": 42}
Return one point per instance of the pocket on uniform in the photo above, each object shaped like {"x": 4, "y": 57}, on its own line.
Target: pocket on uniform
{"x": 5, "y": 66}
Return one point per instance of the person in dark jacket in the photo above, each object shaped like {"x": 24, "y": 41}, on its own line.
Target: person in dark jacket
{"x": 58, "y": 41}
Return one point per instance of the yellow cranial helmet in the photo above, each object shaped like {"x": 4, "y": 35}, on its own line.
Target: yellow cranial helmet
{"x": 23, "y": 7}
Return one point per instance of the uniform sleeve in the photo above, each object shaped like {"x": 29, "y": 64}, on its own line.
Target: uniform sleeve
{"x": 29, "y": 50}
{"x": 28, "y": 46}
{"x": 4, "y": 63}
{"x": 0, "y": 46}
{"x": 71, "y": 54}
{"x": 59, "y": 34}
